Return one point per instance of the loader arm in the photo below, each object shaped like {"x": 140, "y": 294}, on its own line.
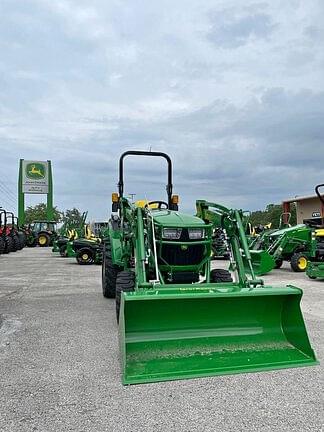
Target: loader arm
{"x": 231, "y": 222}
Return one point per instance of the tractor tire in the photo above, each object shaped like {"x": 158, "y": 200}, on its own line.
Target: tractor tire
{"x": 16, "y": 242}
{"x": 298, "y": 262}
{"x": 125, "y": 282}
{"x": 109, "y": 273}
{"x": 85, "y": 256}
{"x": 2, "y": 245}
{"x": 22, "y": 239}
{"x": 43, "y": 240}
{"x": 9, "y": 244}
{"x": 220, "y": 275}
{"x": 31, "y": 241}
{"x": 63, "y": 252}
{"x": 278, "y": 263}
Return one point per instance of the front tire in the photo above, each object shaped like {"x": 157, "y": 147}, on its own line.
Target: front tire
{"x": 63, "y": 252}
{"x": 109, "y": 273}
{"x": 278, "y": 263}
{"x": 220, "y": 275}
{"x": 125, "y": 282}
{"x": 298, "y": 262}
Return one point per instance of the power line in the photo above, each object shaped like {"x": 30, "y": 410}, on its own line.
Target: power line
{"x": 7, "y": 189}
{"x": 7, "y": 197}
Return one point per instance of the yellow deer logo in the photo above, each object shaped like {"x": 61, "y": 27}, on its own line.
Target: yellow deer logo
{"x": 35, "y": 171}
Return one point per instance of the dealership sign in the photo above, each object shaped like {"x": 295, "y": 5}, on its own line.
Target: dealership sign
{"x": 35, "y": 177}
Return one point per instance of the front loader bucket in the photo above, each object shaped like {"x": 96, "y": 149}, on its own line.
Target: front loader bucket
{"x": 262, "y": 262}
{"x": 183, "y": 333}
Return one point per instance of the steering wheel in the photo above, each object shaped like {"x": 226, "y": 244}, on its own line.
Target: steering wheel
{"x": 160, "y": 204}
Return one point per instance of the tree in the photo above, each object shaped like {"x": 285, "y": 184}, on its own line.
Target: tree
{"x": 73, "y": 217}
{"x": 38, "y": 212}
{"x": 271, "y": 214}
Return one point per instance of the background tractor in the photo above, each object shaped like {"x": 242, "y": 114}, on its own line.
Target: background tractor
{"x": 178, "y": 317}
{"x": 287, "y": 243}
{"x": 41, "y": 233}
{"x": 7, "y": 243}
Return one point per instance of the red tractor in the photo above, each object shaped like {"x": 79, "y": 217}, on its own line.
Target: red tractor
{"x": 6, "y": 242}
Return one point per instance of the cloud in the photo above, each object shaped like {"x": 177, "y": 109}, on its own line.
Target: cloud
{"x": 232, "y": 32}
{"x": 232, "y": 90}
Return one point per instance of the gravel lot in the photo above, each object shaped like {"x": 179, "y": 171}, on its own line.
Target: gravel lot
{"x": 59, "y": 367}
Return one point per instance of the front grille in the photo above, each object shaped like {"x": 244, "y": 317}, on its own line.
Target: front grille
{"x": 174, "y": 255}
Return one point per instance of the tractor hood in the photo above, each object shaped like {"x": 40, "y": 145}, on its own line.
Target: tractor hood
{"x": 294, "y": 228}
{"x": 171, "y": 218}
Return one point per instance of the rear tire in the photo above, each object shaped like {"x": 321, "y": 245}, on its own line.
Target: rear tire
{"x": 2, "y": 245}
{"x": 43, "y": 240}
{"x": 298, "y": 262}
{"x": 16, "y": 242}
{"x": 85, "y": 256}
{"x": 109, "y": 273}
{"x": 125, "y": 282}
{"x": 220, "y": 275}
{"x": 278, "y": 263}
{"x": 9, "y": 244}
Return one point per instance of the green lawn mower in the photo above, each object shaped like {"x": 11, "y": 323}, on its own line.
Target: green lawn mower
{"x": 69, "y": 231}
{"x": 87, "y": 250}
{"x": 178, "y": 317}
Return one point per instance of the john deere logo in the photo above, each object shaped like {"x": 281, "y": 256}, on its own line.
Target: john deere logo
{"x": 35, "y": 171}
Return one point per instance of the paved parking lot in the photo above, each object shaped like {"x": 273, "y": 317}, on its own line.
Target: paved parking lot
{"x": 59, "y": 367}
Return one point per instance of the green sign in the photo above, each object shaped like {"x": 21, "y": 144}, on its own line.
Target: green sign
{"x": 35, "y": 171}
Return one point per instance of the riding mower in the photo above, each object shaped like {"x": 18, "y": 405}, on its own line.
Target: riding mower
{"x": 86, "y": 250}
{"x": 179, "y": 318}
{"x": 315, "y": 264}
{"x": 69, "y": 231}
{"x": 41, "y": 233}
{"x": 6, "y": 243}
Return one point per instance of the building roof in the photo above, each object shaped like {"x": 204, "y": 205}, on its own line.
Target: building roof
{"x": 300, "y": 198}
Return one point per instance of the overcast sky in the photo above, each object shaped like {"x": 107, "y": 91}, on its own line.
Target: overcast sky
{"x": 233, "y": 90}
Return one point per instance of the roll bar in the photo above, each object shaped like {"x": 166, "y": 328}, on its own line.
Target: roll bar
{"x": 145, "y": 153}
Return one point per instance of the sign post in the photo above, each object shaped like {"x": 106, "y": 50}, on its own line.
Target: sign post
{"x": 35, "y": 177}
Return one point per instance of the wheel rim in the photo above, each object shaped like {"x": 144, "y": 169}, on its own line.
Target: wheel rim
{"x": 42, "y": 240}
{"x": 302, "y": 263}
{"x": 85, "y": 257}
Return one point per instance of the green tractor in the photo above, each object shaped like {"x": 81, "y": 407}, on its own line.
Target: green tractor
{"x": 315, "y": 265}
{"x": 180, "y": 318}
{"x": 41, "y": 233}
{"x": 288, "y": 243}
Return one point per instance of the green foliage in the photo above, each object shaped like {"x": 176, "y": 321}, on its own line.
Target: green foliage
{"x": 73, "y": 217}
{"x": 271, "y": 214}
{"x": 38, "y": 212}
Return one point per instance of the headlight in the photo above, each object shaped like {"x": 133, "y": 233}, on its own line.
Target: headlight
{"x": 196, "y": 233}
{"x": 171, "y": 233}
